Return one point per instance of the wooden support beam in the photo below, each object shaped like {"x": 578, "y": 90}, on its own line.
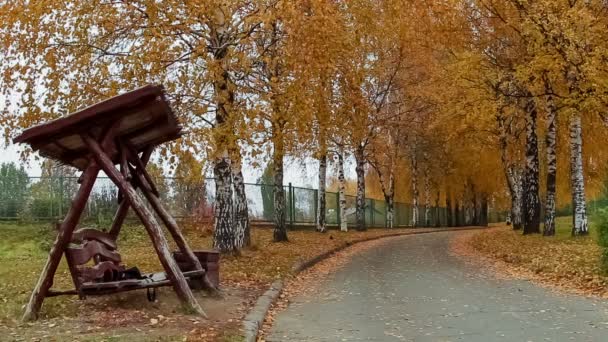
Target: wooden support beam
{"x": 147, "y": 218}
{"x": 123, "y": 207}
{"x": 171, "y": 225}
{"x": 61, "y": 242}
{"x": 174, "y": 230}
{"x": 141, "y": 168}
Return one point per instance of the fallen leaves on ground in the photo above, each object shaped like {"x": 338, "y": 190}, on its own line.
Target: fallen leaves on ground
{"x": 129, "y": 315}
{"x": 565, "y": 264}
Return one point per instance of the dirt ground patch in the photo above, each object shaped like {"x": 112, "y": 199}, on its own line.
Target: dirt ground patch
{"x": 130, "y": 316}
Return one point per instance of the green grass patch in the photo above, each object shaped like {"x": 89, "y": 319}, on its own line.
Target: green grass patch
{"x": 563, "y": 228}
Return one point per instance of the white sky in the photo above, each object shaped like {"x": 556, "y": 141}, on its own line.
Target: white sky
{"x": 299, "y": 173}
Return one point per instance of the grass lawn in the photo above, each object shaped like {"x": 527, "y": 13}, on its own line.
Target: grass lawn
{"x": 24, "y": 248}
{"x": 563, "y": 261}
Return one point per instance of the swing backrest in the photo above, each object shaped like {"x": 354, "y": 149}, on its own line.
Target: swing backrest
{"x": 93, "y": 245}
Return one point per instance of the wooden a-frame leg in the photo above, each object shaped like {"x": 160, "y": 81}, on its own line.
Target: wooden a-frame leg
{"x": 176, "y": 233}
{"x": 119, "y": 218}
{"x": 172, "y": 227}
{"x": 144, "y": 179}
{"x": 61, "y": 242}
{"x": 147, "y": 218}
{"x": 123, "y": 207}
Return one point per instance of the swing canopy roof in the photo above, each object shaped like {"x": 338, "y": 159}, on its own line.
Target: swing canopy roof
{"x": 141, "y": 117}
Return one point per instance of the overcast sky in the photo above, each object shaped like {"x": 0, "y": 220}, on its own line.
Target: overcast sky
{"x": 299, "y": 173}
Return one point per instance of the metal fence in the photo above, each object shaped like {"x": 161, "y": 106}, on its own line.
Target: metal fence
{"x": 49, "y": 198}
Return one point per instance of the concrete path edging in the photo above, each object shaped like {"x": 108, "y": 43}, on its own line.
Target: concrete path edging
{"x": 255, "y": 318}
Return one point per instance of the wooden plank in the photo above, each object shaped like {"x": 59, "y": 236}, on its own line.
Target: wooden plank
{"x": 192, "y": 275}
{"x": 66, "y": 125}
{"x": 145, "y": 118}
{"x": 147, "y": 218}
{"x": 61, "y": 242}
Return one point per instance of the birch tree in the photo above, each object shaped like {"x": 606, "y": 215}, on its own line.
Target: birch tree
{"x": 551, "y": 150}
{"x": 193, "y": 50}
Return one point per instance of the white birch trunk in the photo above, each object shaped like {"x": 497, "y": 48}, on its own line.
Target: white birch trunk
{"x": 516, "y": 198}
{"x": 427, "y": 198}
{"x": 531, "y": 200}
{"x": 579, "y": 217}
{"x": 241, "y": 210}
{"x": 390, "y": 200}
{"x": 551, "y": 146}
{"x": 224, "y": 234}
{"x": 513, "y": 177}
{"x": 414, "y": 190}
{"x": 342, "y": 192}
{"x": 360, "y": 169}
{"x": 321, "y": 204}
{"x": 280, "y": 212}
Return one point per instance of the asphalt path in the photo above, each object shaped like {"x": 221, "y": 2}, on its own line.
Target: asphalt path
{"x": 412, "y": 289}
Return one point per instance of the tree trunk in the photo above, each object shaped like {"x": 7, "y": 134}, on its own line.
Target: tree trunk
{"x": 360, "y": 169}
{"x": 457, "y": 221}
{"x": 483, "y": 213}
{"x": 414, "y": 190}
{"x": 224, "y": 234}
{"x": 513, "y": 176}
{"x": 517, "y": 198}
{"x": 579, "y": 215}
{"x": 342, "y": 192}
{"x": 427, "y": 198}
{"x": 280, "y": 212}
{"x": 241, "y": 210}
{"x": 321, "y": 204}
{"x": 437, "y": 209}
{"x": 389, "y": 198}
{"x": 468, "y": 218}
{"x": 551, "y": 142}
{"x": 474, "y": 213}
{"x": 531, "y": 200}
{"x": 448, "y": 207}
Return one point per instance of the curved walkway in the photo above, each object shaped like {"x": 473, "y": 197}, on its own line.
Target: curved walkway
{"x": 412, "y": 289}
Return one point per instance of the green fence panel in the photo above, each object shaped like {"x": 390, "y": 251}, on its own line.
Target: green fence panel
{"x": 332, "y": 208}
{"x": 49, "y": 198}
{"x": 304, "y": 205}
{"x": 379, "y": 214}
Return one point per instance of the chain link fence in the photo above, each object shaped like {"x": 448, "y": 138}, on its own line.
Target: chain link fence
{"x": 49, "y": 198}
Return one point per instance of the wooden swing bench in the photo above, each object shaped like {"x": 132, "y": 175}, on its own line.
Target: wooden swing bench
{"x": 108, "y": 276}
{"x": 122, "y": 131}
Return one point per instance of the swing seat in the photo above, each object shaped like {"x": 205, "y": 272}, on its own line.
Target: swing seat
{"x": 107, "y": 275}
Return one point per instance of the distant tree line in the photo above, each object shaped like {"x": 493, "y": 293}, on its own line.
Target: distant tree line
{"x": 49, "y": 196}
